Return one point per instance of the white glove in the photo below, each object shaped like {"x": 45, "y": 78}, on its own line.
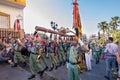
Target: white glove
{"x": 80, "y": 42}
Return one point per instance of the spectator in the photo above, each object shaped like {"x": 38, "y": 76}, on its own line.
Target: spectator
{"x": 96, "y": 51}
{"x": 10, "y": 55}
{"x": 3, "y": 57}
{"x": 118, "y": 60}
{"x": 88, "y": 59}
{"x": 102, "y": 51}
{"x": 111, "y": 50}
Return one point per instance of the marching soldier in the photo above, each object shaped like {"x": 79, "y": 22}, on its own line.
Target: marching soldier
{"x": 41, "y": 43}
{"x": 61, "y": 53}
{"x": 96, "y": 53}
{"x": 56, "y": 52}
{"x": 35, "y": 55}
{"x": 53, "y": 62}
{"x": 43, "y": 55}
{"x": 34, "y": 59}
{"x": 17, "y": 53}
{"x": 74, "y": 60}
{"x": 65, "y": 47}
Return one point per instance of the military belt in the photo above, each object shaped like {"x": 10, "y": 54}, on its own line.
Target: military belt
{"x": 17, "y": 51}
{"x": 61, "y": 50}
{"x": 33, "y": 53}
{"x": 73, "y": 63}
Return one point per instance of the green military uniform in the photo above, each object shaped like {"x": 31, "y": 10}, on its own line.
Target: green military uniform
{"x": 67, "y": 50}
{"x": 44, "y": 59}
{"x": 43, "y": 55}
{"x": 17, "y": 55}
{"x": 32, "y": 60}
{"x": 61, "y": 53}
{"x": 56, "y": 52}
{"x": 65, "y": 46}
{"x": 73, "y": 70}
{"x": 51, "y": 57}
{"x": 96, "y": 53}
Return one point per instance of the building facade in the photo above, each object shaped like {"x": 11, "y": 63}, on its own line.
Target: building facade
{"x": 11, "y": 16}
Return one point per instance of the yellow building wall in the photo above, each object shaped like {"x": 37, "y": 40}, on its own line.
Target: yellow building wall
{"x": 20, "y": 2}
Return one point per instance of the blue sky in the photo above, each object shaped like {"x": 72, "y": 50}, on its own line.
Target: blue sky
{"x": 42, "y": 12}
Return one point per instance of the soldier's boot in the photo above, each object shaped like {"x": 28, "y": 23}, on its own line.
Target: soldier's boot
{"x": 64, "y": 62}
{"x": 60, "y": 64}
{"x": 51, "y": 68}
{"x": 31, "y": 77}
{"x": 41, "y": 73}
{"x": 46, "y": 68}
{"x": 24, "y": 64}
{"x": 15, "y": 65}
{"x": 56, "y": 66}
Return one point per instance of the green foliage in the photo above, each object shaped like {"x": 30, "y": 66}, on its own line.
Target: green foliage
{"x": 93, "y": 42}
{"x": 114, "y": 23}
{"x": 103, "y": 26}
{"x": 102, "y": 40}
{"x": 116, "y": 35}
{"x": 111, "y": 28}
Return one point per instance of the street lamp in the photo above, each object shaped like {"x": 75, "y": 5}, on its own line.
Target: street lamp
{"x": 54, "y": 25}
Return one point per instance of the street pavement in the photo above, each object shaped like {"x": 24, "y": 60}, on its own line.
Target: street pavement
{"x": 19, "y": 73}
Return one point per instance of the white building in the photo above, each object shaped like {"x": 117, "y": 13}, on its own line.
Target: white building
{"x": 10, "y": 11}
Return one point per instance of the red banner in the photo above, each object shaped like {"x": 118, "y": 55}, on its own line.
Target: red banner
{"x": 76, "y": 19}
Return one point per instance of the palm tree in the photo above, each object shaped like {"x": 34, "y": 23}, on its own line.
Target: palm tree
{"x": 103, "y": 26}
{"x": 114, "y": 23}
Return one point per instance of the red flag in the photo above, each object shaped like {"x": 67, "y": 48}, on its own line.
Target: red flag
{"x": 76, "y": 19}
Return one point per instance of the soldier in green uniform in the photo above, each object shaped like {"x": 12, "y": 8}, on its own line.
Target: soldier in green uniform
{"x": 55, "y": 45}
{"x": 53, "y": 62}
{"x": 17, "y": 53}
{"x": 96, "y": 53}
{"x": 73, "y": 70}
{"x": 61, "y": 53}
{"x": 42, "y": 46}
{"x": 74, "y": 60}
{"x": 34, "y": 59}
{"x": 65, "y": 47}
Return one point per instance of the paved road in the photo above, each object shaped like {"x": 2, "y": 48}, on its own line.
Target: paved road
{"x": 18, "y": 73}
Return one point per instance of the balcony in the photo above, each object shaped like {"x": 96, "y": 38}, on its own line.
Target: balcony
{"x": 14, "y": 3}
{"x": 14, "y": 34}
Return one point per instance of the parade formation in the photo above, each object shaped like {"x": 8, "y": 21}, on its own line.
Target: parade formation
{"x": 47, "y": 50}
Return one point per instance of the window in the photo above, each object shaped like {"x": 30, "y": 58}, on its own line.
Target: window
{"x": 4, "y": 20}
